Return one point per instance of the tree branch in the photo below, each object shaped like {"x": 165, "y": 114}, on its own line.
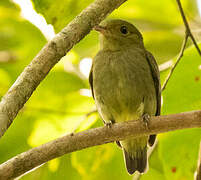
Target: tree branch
{"x": 93, "y": 137}
{"x": 188, "y": 30}
{"x": 198, "y": 171}
{"x": 181, "y": 53}
{"x": 188, "y": 34}
{"x": 51, "y": 53}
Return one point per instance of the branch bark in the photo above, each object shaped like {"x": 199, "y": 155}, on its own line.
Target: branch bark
{"x": 52, "y": 52}
{"x": 93, "y": 137}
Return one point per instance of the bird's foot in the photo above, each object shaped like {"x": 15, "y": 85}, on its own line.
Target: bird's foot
{"x": 109, "y": 124}
{"x": 146, "y": 120}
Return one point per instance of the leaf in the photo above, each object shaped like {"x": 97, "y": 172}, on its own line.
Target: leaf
{"x": 100, "y": 162}
{"x": 179, "y": 153}
{"x": 4, "y": 81}
{"x": 155, "y": 167}
{"x": 59, "y": 14}
{"x": 183, "y": 89}
{"x": 64, "y": 171}
{"x": 179, "y": 150}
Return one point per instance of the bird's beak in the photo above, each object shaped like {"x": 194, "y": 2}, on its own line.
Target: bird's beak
{"x": 100, "y": 29}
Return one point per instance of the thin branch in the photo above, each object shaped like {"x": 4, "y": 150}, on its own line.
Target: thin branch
{"x": 188, "y": 34}
{"x": 93, "y": 137}
{"x": 188, "y": 30}
{"x": 52, "y": 52}
{"x": 166, "y": 65}
{"x": 198, "y": 171}
{"x": 176, "y": 63}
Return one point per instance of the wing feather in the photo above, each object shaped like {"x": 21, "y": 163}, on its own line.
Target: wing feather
{"x": 91, "y": 81}
{"x": 156, "y": 77}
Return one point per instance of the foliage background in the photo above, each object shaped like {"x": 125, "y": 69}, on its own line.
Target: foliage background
{"x": 59, "y": 106}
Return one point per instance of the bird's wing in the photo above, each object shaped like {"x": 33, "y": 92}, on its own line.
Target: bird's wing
{"x": 91, "y": 80}
{"x": 156, "y": 77}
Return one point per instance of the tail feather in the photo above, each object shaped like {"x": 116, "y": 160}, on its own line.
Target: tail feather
{"x": 137, "y": 162}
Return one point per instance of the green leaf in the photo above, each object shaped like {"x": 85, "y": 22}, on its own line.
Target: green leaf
{"x": 4, "y": 81}
{"x": 183, "y": 89}
{"x": 59, "y": 14}
{"x": 64, "y": 170}
{"x": 179, "y": 150}
{"x": 155, "y": 168}
{"x": 179, "y": 153}
{"x": 100, "y": 162}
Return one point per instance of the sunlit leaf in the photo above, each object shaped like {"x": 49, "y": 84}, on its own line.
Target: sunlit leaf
{"x": 182, "y": 94}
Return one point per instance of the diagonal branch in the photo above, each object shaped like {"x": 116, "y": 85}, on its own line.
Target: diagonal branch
{"x": 188, "y": 30}
{"x": 181, "y": 53}
{"x": 73, "y": 142}
{"x": 51, "y": 53}
{"x": 188, "y": 34}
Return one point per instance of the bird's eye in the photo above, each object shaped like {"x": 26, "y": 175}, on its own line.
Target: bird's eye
{"x": 124, "y": 30}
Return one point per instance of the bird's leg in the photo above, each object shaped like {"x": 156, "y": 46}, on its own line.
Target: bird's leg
{"x": 109, "y": 123}
{"x": 146, "y": 119}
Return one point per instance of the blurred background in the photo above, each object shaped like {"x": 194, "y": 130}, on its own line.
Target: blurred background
{"x": 62, "y": 103}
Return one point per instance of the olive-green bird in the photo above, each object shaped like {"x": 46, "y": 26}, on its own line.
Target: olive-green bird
{"x": 125, "y": 84}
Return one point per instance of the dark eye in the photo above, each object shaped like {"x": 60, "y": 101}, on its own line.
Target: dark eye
{"x": 124, "y": 30}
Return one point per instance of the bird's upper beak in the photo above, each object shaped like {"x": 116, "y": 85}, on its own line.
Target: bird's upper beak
{"x": 100, "y": 29}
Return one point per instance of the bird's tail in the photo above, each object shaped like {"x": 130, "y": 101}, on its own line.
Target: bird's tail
{"x": 135, "y": 159}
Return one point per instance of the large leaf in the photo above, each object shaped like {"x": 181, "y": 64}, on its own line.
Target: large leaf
{"x": 178, "y": 151}
{"x": 183, "y": 90}
{"x": 101, "y": 162}
{"x": 59, "y": 14}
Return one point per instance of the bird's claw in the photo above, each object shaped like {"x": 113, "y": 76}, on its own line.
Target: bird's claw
{"x": 146, "y": 120}
{"x": 108, "y": 124}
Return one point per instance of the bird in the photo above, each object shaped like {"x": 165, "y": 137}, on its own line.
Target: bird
{"x": 125, "y": 84}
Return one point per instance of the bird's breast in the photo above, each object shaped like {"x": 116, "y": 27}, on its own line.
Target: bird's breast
{"x": 121, "y": 82}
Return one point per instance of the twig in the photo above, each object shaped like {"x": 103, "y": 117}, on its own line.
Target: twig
{"x": 52, "y": 52}
{"x": 198, "y": 171}
{"x": 166, "y": 65}
{"x": 188, "y": 34}
{"x": 176, "y": 63}
{"x": 188, "y": 30}
{"x": 93, "y": 137}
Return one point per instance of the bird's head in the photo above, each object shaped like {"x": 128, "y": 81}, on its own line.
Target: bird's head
{"x": 118, "y": 34}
